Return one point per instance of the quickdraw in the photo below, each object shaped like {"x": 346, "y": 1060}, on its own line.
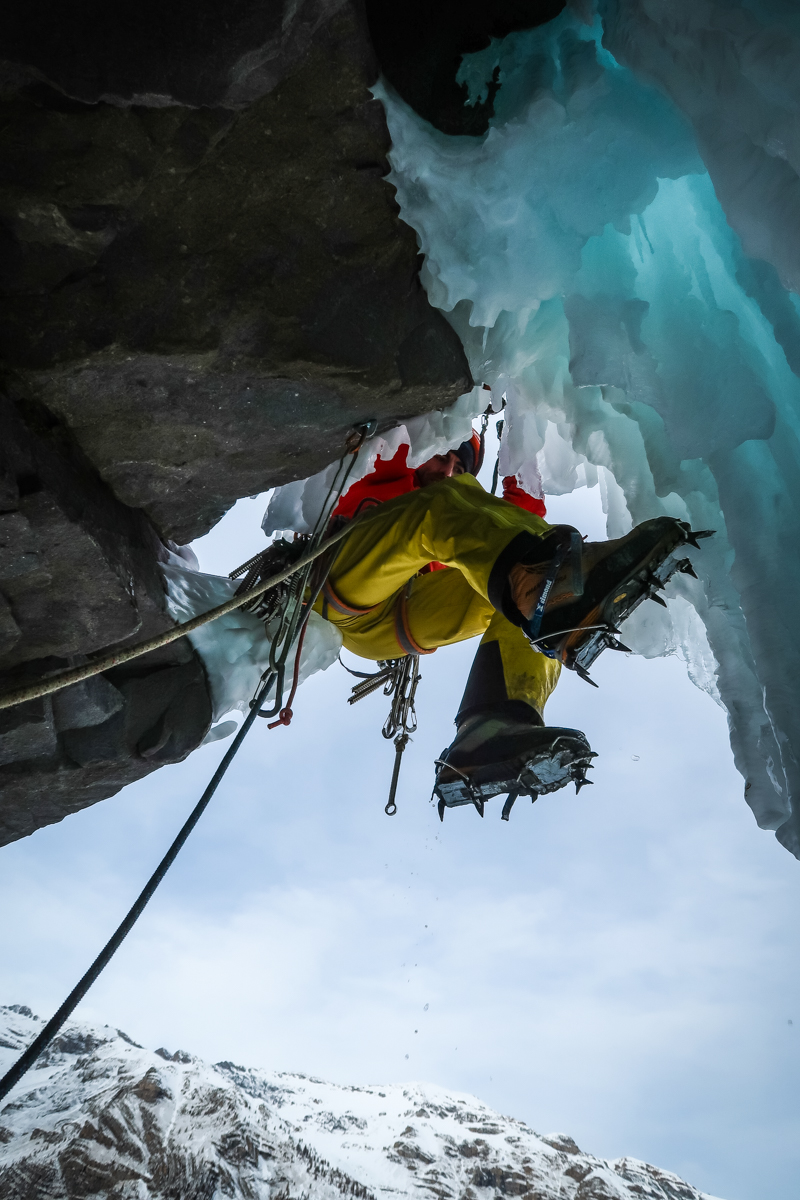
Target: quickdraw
{"x": 285, "y": 612}
{"x": 399, "y": 678}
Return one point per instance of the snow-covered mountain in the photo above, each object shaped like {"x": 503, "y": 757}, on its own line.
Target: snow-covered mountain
{"x": 99, "y": 1116}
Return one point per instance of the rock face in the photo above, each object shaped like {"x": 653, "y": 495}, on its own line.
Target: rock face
{"x": 100, "y": 1116}
{"x": 78, "y": 570}
{"x": 204, "y": 285}
{"x": 209, "y": 297}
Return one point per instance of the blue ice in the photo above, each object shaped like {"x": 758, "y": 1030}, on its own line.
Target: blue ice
{"x": 623, "y": 276}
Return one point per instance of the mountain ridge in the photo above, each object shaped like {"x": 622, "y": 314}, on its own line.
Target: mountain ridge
{"x": 101, "y": 1116}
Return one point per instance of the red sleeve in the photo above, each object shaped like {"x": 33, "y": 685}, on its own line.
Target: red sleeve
{"x": 515, "y": 495}
{"x": 388, "y": 478}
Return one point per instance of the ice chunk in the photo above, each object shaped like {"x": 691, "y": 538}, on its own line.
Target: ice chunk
{"x": 600, "y": 278}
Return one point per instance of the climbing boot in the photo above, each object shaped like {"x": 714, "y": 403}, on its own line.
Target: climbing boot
{"x": 571, "y": 605}
{"x": 497, "y": 752}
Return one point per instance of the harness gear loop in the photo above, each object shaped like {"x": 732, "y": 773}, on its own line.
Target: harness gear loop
{"x": 399, "y": 678}
{"x": 402, "y": 630}
{"x": 371, "y": 682}
{"x": 402, "y": 719}
{"x": 287, "y": 617}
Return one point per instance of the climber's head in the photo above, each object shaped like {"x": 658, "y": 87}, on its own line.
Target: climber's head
{"x": 441, "y": 466}
{"x": 466, "y": 460}
{"x": 471, "y": 454}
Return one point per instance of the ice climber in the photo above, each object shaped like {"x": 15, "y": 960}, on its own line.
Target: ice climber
{"x": 442, "y": 561}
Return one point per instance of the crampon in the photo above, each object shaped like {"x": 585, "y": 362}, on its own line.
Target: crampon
{"x": 550, "y": 759}
{"x": 576, "y": 633}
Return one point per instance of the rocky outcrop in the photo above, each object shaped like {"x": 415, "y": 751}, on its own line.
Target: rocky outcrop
{"x": 209, "y": 298}
{"x": 79, "y": 571}
{"x": 104, "y": 1117}
{"x": 204, "y": 285}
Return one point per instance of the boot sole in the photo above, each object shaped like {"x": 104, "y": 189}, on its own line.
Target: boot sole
{"x": 535, "y": 773}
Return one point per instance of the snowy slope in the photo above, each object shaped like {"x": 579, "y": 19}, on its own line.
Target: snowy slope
{"x": 100, "y": 1116}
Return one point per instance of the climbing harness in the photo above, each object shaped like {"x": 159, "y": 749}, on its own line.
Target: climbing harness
{"x": 399, "y": 678}
{"x": 277, "y": 556}
{"x": 290, "y": 618}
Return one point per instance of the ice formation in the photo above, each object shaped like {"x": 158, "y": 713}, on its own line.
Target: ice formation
{"x": 620, "y": 254}
{"x": 234, "y": 648}
{"x": 617, "y": 254}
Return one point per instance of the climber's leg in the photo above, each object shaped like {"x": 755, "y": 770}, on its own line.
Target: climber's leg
{"x": 501, "y": 743}
{"x": 566, "y": 595}
{"x": 500, "y": 727}
{"x": 508, "y": 676}
{"x": 513, "y": 563}
{"x": 430, "y": 610}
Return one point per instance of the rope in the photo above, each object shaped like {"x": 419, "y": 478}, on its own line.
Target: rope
{"x": 55, "y": 683}
{"x": 115, "y": 658}
{"x": 28, "y": 1058}
{"x": 286, "y": 714}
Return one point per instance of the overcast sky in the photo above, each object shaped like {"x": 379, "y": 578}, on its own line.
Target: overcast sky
{"x": 621, "y": 965}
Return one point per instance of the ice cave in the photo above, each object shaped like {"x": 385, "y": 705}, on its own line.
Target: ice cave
{"x": 642, "y": 319}
{"x": 250, "y": 250}
{"x": 590, "y": 207}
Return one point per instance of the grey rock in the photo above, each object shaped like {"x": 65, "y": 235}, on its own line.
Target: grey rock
{"x": 27, "y": 732}
{"x": 204, "y": 284}
{"x": 165, "y": 714}
{"x": 84, "y": 704}
{"x": 155, "y": 55}
{"x": 9, "y": 629}
{"x": 211, "y": 299}
{"x": 79, "y": 570}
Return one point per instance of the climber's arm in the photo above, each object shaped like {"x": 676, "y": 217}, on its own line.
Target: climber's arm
{"x": 516, "y": 495}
